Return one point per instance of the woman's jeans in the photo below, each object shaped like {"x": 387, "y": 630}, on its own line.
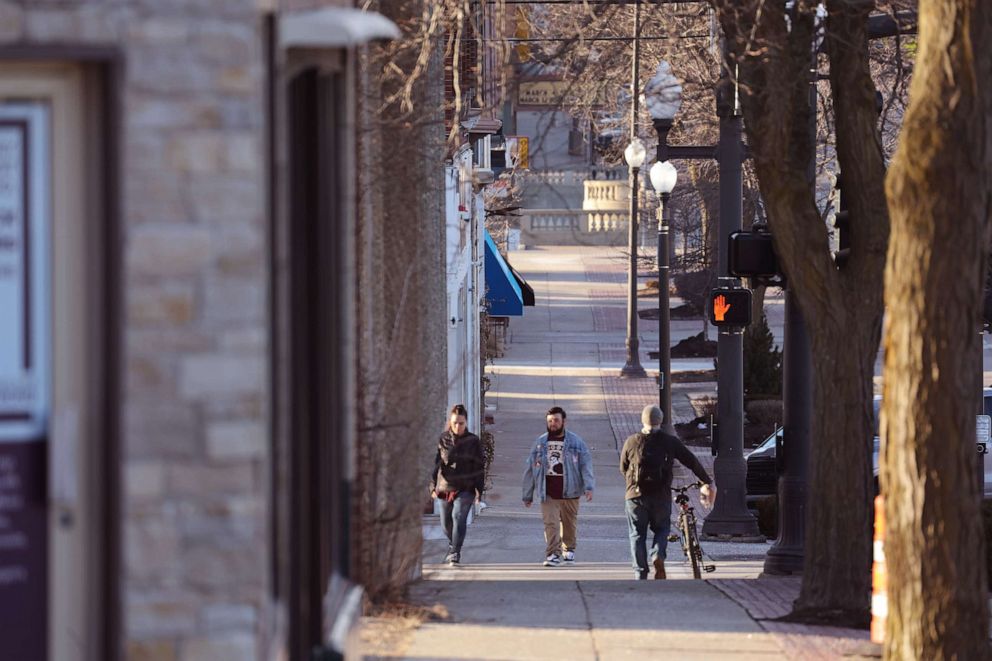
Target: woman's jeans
{"x": 645, "y": 512}
{"x": 454, "y": 517}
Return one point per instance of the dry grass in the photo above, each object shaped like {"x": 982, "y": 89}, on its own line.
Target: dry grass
{"x": 704, "y": 406}
{"x": 387, "y": 628}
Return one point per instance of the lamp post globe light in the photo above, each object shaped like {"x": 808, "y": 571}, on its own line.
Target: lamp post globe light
{"x": 663, "y": 177}
{"x": 662, "y": 98}
{"x": 634, "y": 154}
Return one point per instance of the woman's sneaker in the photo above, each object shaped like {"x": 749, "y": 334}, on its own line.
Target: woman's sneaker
{"x": 453, "y": 558}
{"x": 568, "y": 556}
{"x": 552, "y": 560}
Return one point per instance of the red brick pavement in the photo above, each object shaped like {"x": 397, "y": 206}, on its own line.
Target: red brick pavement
{"x": 770, "y": 597}
{"x": 598, "y": 271}
{"x": 624, "y": 400}
{"x": 614, "y": 294}
{"x": 608, "y": 318}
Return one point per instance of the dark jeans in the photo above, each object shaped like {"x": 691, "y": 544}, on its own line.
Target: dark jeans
{"x": 456, "y": 512}
{"x": 645, "y": 512}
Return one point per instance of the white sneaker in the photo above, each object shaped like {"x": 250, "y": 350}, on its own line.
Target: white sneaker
{"x": 568, "y": 556}
{"x": 552, "y": 560}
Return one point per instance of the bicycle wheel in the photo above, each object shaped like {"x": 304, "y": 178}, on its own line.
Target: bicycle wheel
{"x": 693, "y": 550}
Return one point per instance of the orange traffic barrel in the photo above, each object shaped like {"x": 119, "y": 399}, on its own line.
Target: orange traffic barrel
{"x": 879, "y": 596}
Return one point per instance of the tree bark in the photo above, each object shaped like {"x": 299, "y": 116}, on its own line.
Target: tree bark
{"x": 939, "y": 196}
{"x": 842, "y": 306}
{"x": 836, "y": 585}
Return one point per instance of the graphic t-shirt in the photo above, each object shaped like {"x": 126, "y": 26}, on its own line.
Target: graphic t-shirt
{"x": 554, "y": 480}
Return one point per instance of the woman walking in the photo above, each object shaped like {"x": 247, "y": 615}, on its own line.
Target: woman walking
{"x": 458, "y": 478}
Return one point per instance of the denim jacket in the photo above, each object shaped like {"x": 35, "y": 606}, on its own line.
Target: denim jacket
{"x": 578, "y": 469}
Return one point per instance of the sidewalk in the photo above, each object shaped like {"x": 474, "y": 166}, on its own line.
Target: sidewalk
{"x": 501, "y": 603}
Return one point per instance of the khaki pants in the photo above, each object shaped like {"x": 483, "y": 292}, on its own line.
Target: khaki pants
{"x": 560, "y": 522}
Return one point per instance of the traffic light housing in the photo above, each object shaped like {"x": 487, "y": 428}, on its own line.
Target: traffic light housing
{"x": 730, "y": 307}
{"x": 752, "y": 255}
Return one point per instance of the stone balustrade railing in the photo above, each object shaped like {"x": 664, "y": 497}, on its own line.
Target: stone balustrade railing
{"x": 605, "y": 195}
{"x": 552, "y": 220}
{"x": 574, "y": 177}
{"x": 606, "y": 221}
{"x": 572, "y": 220}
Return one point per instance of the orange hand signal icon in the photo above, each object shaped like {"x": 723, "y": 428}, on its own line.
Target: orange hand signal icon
{"x": 720, "y": 307}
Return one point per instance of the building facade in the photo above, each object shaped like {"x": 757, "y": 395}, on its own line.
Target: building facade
{"x": 196, "y": 325}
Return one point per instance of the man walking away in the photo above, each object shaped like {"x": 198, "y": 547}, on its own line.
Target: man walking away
{"x": 559, "y": 470}
{"x": 646, "y": 463}
{"x": 458, "y": 478}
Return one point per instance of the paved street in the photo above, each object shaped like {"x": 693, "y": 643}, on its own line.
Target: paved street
{"x": 501, "y": 603}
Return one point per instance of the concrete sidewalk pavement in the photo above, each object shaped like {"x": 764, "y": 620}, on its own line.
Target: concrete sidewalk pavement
{"x": 501, "y": 603}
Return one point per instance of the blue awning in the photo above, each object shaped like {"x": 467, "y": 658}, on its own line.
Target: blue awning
{"x": 502, "y": 291}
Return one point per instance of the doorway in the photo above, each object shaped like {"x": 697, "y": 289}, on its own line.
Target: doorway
{"x": 55, "y": 475}
{"x": 313, "y": 380}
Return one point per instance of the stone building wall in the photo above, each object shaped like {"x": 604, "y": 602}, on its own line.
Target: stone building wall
{"x": 194, "y": 414}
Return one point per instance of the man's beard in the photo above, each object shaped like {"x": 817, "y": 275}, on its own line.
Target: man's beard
{"x": 555, "y": 432}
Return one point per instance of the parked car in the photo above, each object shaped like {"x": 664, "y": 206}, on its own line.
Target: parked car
{"x": 762, "y": 475}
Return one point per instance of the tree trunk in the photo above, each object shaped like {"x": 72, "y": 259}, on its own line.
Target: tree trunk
{"x": 939, "y": 196}
{"x": 840, "y": 476}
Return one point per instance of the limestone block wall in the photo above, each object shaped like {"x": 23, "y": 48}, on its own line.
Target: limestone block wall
{"x": 194, "y": 412}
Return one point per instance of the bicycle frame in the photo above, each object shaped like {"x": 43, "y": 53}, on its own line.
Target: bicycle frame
{"x": 687, "y": 531}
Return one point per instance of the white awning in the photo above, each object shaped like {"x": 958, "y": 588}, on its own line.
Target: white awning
{"x": 334, "y": 27}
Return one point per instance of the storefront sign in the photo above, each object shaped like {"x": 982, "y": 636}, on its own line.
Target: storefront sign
{"x": 558, "y": 93}
{"x": 24, "y": 378}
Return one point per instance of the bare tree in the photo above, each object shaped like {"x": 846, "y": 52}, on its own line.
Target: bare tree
{"x": 940, "y": 198}
{"x": 773, "y": 46}
{"x": 401, "y": 360}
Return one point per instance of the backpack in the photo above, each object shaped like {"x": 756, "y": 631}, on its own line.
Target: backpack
{"x": 650, "y": 460}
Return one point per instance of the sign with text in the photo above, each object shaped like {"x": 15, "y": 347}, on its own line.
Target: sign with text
{"x": 517, "y": 152}
{"x": 25, "y": 263}
{"x": 558, "y": 93}
{"x": 983, "y": 428}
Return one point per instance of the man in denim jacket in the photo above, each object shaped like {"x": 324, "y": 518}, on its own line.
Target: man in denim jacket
{"x": 559, "y": 470}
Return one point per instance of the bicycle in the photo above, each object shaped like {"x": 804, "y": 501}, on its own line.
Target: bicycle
{"x": 687, "y": 531}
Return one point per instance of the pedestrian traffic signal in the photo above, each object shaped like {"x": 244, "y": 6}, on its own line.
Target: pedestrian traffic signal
{"x": 752, "y": 255}
{"x": 730, "y": 307}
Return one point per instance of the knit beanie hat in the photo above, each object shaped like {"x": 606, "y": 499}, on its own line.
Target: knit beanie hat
{"x": 651, "y": 416}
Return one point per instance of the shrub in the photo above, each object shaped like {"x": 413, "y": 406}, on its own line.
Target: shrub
{"x": 762, "y": 361}
{"x": 764, "y": 411}
{"x": 768, "y": 516}
{"x": 693, "y": 287}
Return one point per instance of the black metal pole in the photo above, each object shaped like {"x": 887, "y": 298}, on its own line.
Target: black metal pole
{"x": 786, "y": 556}
{"x": 633, "y": 368}
{"x": 664, "y": 319}
{"x": 730, "y": 516}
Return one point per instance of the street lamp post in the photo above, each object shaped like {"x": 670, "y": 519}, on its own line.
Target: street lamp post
{"x": 663, "y": 178}
{"x": 663, "y": 97}
{"x": 635, "y": 155}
